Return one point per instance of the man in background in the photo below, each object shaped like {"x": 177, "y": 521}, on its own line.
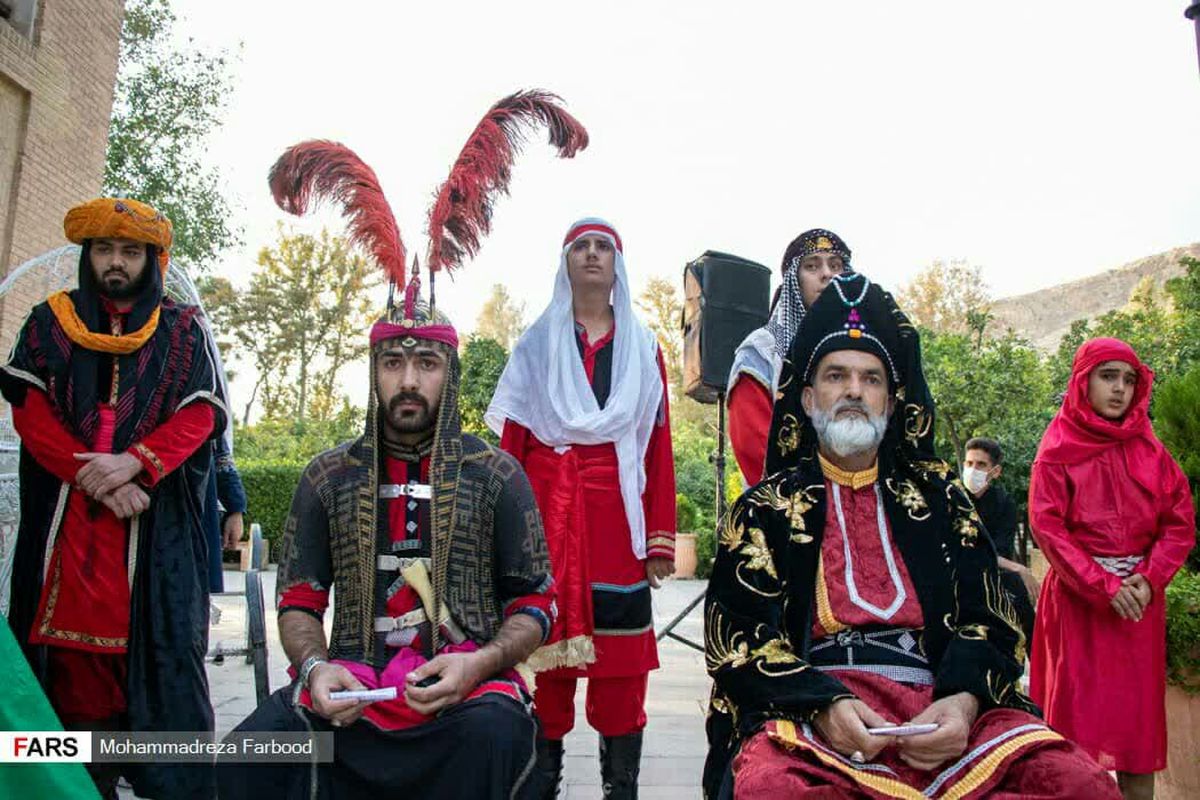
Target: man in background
{"x": 982, "y": 466}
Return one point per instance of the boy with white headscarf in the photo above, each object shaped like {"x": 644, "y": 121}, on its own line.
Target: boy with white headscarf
{"x": 582, "y": 404}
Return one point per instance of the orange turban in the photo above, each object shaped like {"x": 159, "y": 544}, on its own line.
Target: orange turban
{"x": 120, "y": 218}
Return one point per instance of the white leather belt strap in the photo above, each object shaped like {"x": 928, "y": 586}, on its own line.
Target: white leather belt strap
{"x": 417, "y": 491}
{"x": 1121, "y": 566}
{"x": 391, "y": 563}
{"x": 410, "y": 620}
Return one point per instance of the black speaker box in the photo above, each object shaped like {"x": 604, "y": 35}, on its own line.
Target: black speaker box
{"x": 724, "y": 298}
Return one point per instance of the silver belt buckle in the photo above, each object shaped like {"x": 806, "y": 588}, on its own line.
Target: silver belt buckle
{"x": 391, "y": 563}
{"x": 409, "y": 620}
{"x": 417, "y": 491}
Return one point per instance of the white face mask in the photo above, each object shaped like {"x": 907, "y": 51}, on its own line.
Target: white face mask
{"x": 975, "y": 479}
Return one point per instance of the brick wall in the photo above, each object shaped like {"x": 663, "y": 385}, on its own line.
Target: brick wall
{"x": 56, "y": 93}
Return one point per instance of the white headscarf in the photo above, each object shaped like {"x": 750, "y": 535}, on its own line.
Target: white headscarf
{"x": 545, "y": 388}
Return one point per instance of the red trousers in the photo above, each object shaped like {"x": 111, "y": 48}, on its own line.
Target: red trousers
{"x": 85, "y": 687}
{"x": 615, "y": 706}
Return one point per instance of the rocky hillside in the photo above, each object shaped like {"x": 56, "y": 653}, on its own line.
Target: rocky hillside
{"x": 1044, "y": 316}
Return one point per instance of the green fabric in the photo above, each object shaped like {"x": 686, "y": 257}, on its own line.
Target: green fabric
{"x": 25, "y": 708}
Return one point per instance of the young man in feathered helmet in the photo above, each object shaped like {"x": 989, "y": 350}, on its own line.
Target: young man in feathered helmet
{"x": 430, "y": 537}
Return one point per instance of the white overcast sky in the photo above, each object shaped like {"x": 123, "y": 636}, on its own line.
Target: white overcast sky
{"x": 1041, "y": 141}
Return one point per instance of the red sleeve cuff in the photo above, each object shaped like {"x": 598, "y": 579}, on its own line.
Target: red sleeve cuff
{"x": 539, "y": 606}
{"x": 152, "y": 466}
{"x": 304, "y": 596}
{"x": 660, "y": 544}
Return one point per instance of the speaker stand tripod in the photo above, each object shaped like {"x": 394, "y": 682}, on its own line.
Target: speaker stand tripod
{"x": 718, "y": 461}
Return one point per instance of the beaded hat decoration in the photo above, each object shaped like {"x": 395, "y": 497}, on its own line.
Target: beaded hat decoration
{"x": 850, "y": 316}
{"x": 817, "y": 240}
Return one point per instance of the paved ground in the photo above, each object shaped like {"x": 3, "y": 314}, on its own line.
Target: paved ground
{"x": 674, "y": 744}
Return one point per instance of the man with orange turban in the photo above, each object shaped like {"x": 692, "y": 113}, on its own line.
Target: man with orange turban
{"x": 113, "y": 392}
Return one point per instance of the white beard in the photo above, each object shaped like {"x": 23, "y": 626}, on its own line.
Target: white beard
{"x": 849, "y": 436}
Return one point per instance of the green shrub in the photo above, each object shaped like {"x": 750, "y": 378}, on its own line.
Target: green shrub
{"x": 269, "y": 489}
{"x": 686, "y": 514}
{"x": 1183, "y": 631}
{"x": 284, "y": 441}
{"x": 706, "y": 551}
{"x": 1177, "y": 424}
{"x": 483, "y": 361}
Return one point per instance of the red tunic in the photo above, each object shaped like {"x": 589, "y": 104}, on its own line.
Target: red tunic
{"x": 85, "y": 597}
{"x": 1087, "y": 661}
{"x": 750, "y": 409}
{"x": 600, "y": 581}
{"x": 872, "y": 578}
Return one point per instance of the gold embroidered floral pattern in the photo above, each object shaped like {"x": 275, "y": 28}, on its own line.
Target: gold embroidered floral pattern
{"x": 758, "y": 555}
{"x": 973, "y": 632}
{"x": 967, "y": 530}
{"x": 936, "y": 466}
{"x": 999, "y": 603}
{"x": 918, "y": 422}
{"x": 732, "y": 534}
{"x": 910, "y": 499}
{"x": 776, "y": 651}
{"x": 768, "y": 496}
{"x": 789, "y": 435}
{"x": 722, "y": 648}
{"x": 799, "y": 503}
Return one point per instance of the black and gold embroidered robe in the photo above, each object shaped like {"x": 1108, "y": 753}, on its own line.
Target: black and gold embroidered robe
{"x": 758, "y": 612}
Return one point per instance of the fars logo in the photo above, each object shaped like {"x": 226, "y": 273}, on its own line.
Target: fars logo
{"x": 45, "y": 746}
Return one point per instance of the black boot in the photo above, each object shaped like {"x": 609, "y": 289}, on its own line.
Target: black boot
{"x": 549, "y": 766}
{"x": 620, "y": 761}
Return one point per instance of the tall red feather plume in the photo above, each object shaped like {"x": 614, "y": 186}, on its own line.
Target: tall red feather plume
{"x": 462, "y": 213}
{"x": 324, "y": 170}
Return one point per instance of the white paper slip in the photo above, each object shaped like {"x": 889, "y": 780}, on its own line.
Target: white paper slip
{"x": 365, "y": 695}
{"x": 903, "y": 730}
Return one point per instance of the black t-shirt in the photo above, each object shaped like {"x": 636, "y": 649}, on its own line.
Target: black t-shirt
{"x": 602, "y": 372}
{"x": 999, "y": 514}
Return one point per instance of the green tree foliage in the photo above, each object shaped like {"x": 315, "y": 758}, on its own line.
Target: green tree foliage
{"x": 283, "y": 441}
{"x": 169, "y": 99}
{"x": 501, "y": 319}
{"x": 1059, "y": 364}
{"x": 686, "y": 514}
{"x": 693, "y": 443}
{"x": 1148, "y": 323}
{"x": 1177, "y": 423}
{"x": 1185, "y": 294}
{"x": 663, "y": 308}
{"x": 483, "y": 361}
{"x": 995, "y": 387}
{"x": 1183, "y": 631}
{"x": 300, "y": 321}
